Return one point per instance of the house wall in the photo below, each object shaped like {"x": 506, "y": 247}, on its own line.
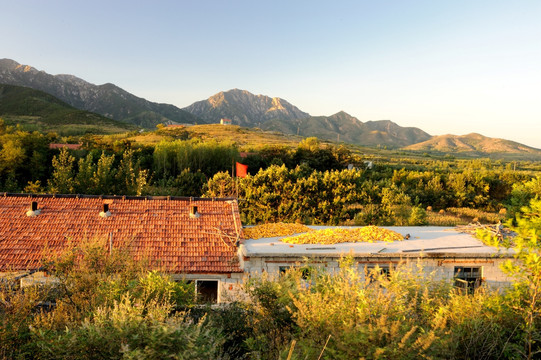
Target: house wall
{"x": 229, "y": 285}
{"x": 442, "y": 267}
{"x": 25, "y": 279}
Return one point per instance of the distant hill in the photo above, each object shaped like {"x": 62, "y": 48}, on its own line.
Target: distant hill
{"x": 346, "y": 128}
{"x": 244, "y": 108}
{"x": 37, "y": 110}
{"x": 108, "y": 100}
{"x": 474, "y": 144}
{"x": 249, "y": 110}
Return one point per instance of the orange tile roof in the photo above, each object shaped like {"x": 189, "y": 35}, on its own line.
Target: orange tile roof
{"x": 69, "y": 146}
{"x": 157, "y": 227}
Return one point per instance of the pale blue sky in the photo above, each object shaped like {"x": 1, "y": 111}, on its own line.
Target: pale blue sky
{"x": 443, "y": 66}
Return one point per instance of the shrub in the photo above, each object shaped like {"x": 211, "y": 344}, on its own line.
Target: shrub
{"x": 407, "y": 314}
{"x": 126, "y": 329}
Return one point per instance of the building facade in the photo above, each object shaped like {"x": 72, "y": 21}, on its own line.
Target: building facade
{"x": 189, "y": 238}
{"x": 442, "y": 251}
{"x": 201, "y": 240}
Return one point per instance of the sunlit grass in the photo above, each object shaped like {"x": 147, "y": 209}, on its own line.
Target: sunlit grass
{"x": 463, "y": 216}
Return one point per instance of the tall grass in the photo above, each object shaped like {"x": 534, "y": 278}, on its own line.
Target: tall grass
{"x": 406, "y": 315}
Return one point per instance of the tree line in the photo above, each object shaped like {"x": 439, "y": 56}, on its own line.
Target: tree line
{"x": 312, "y": 183}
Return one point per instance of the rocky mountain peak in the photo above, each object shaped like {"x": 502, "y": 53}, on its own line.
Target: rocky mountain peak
{"x": 244, "y": 108}
{"x": 276, "y": 105}
{"x": 8, "y": 64}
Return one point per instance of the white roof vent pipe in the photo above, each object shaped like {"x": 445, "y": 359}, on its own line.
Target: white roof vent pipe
{"x": 194, "y": 213}
{"x": 105, "y": 211}
{"x": 33, "y": 211}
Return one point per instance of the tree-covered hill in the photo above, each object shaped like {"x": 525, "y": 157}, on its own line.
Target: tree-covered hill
{"x": 108, "y": 100}
{"x": 36, "y": 110}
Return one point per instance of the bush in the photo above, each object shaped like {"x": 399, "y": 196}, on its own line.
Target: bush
{"x": 407, "y": 314}
{"x": 127, "y": 329}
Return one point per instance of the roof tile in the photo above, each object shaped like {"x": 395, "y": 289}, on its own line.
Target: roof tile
{"x": 160, "y": 229}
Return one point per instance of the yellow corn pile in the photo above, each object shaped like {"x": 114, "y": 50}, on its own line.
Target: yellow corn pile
{"x": 274, "y": 229}
{"x": 339, "y": 235}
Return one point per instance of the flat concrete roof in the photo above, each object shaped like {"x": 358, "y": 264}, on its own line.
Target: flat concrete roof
{"x": 434, "y": 241}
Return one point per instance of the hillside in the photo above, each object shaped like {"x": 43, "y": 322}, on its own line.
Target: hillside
{"x": 108, "y": 100}
{"x": 474, "y": 144}
{"x": 343, "y": 127}
{"x": 37, "y": 110}
{"x": 275, "y": 114}
{"x": 244, "y": 108}
{"x": 245, "y": 138}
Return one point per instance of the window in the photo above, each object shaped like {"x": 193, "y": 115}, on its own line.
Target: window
{"x": 306, "y": 271}
{"x": 207, "y": 291}
{"x": 307, "y": 275}
{"x": 373, "y": 272}
{"x": 468, "y": 278}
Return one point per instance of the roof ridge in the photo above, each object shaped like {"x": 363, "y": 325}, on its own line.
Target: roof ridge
{"x": 121, "y": 197}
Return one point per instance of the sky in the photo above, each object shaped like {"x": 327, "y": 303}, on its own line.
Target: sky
{"x": 447, "y": 67}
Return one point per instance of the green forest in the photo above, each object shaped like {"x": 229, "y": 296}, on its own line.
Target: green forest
{"x": 307, "y": 182}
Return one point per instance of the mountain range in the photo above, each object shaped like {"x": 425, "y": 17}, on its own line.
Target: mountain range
{"x": 244, "y": 108}
{"x": 248, "y": 110}
{"x": 108, "y": 100}
{"x": 36, "y": 110}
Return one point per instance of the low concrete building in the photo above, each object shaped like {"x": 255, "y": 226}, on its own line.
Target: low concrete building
{"x": 450, "y": 254}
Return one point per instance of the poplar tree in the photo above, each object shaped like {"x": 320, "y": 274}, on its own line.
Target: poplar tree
{"x": 62, "y": 179}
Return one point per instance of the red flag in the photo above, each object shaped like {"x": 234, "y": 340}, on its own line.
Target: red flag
{"x": 242, "y": 170}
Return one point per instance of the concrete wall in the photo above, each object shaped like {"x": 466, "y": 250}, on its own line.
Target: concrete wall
{"x": 442, "y": 267}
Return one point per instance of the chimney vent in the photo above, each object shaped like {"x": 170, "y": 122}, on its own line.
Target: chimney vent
{"x": 105, "y": 211}
{"x": 194, "y": 214}
{"x": 34, "y": 211}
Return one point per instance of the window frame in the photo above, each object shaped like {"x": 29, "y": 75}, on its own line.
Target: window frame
{"x": 468, "y": 278}
{"x": 199, "y": 298}
{"x": 384, "y": 271}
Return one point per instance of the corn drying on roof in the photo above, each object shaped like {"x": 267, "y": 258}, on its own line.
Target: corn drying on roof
{"x": 341, "y": 235}
{"x": 274, "y": 229}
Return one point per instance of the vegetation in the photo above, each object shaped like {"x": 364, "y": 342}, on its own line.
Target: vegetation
{"x": 304, "y": 182}
{"x": 525, "y": 299}
{"x": 105, "y": 305}
{"x": 34, "y": 110}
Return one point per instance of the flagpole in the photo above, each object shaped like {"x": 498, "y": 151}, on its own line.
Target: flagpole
{"x": 236, "y": 179}
{"x": 237, "y": 185}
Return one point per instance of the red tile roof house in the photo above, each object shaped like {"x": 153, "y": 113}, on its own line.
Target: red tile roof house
{"x": 68, "y": 146}
{"x": 191, "y": 238}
